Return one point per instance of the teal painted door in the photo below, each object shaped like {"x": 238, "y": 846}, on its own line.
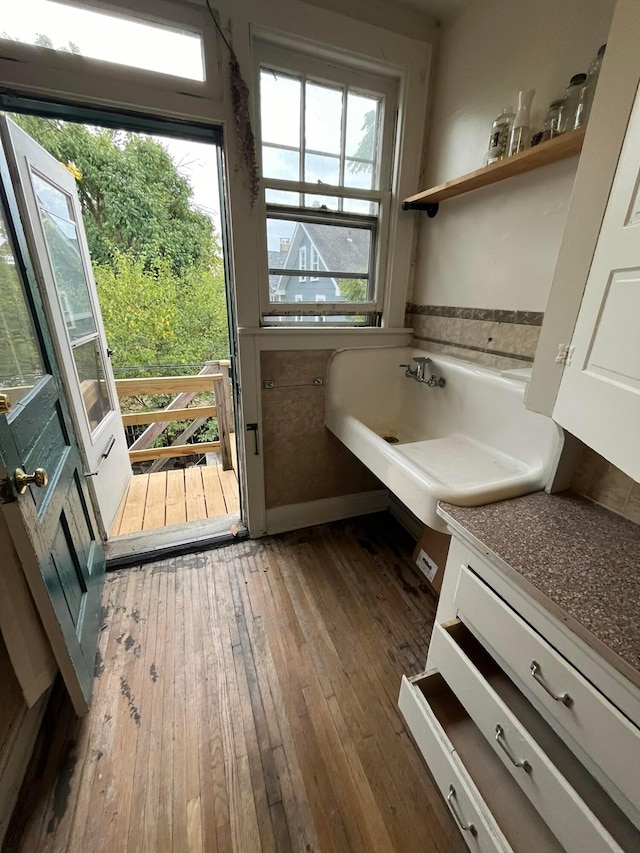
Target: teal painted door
{"x": 51, "y": 524}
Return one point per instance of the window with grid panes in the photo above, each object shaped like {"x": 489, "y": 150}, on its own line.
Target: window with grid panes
{"x": 326, "y": 135}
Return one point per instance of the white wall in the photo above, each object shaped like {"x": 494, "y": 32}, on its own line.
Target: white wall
{"x": 497, "y": 247}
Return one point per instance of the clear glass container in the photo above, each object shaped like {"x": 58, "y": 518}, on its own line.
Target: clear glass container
{"x": 520, "y": 135}
{"x": 499, "y": 138}
{"x": 588, "y": 89}
{"x": 550, "y": 126}
{"x": 569, "y": 107}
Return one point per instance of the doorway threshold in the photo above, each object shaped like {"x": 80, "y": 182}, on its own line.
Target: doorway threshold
{"x": 134, "y": 549}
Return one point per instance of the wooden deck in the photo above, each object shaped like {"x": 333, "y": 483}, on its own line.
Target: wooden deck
{"x": 245, "y": 700}
{"x": 176, "y": 497}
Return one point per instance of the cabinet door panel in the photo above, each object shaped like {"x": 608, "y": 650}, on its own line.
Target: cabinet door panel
{"x": 599, "y": 397}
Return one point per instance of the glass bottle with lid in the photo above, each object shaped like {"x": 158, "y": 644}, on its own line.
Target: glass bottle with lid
{"x": 569, "y": 105}
{"x": 499, "y": 137}
{"x": 588, "y": 89}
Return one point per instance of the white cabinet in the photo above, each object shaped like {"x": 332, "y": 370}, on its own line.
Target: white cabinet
{"x": 601, "y": 382}
{"x": 527, "y": 752}
{"x": 594, "y": 302}
{"x": 576, "y": 708}
{"x": 423, "y": 701}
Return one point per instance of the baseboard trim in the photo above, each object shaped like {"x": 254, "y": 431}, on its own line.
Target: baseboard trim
{"x": 405, "y": 518}
{"x": 294, "y": 516}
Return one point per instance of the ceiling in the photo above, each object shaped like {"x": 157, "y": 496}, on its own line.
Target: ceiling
{"x": 415, "y": 18}
{"x": 440, "y": 10}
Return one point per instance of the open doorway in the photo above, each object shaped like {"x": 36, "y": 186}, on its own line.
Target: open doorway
{"x": 125, "y": 224}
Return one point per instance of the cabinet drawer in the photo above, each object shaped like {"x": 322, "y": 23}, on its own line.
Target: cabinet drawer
{"x": 571, "y": 802}
{"x": 492, "y": 812}
{"x": 610, "y": 740}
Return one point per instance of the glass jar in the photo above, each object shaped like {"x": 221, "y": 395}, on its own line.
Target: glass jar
{"x": 569, "y": 107}
{"x": 587, "y": 92}
{"x": 550, "y": 126}
{"x": 499, "y": 137}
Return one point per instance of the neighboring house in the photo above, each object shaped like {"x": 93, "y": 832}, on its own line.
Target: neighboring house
{"x": 276, "y": 261}
{"x": 317, "y": 248}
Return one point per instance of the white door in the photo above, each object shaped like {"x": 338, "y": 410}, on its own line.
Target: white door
{"x": 599, "y": 397}
{"x": 52, "y": 218}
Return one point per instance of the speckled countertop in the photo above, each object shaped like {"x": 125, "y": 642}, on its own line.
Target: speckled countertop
{"x": 583, "y": 558}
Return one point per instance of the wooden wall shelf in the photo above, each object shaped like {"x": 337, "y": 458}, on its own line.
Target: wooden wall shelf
{"x": 567, "y": 145}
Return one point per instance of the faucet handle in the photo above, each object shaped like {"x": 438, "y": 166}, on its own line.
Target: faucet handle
{"x": 408, "y": 366}
{"x": 422, "y": 359}
{"x": 436, "y": 381}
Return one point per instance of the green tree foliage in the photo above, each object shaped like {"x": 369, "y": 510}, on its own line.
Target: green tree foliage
{"x": 42, "y": 40}
{"x": 156, "y": 260}
{"x": 156, "y": 317}
{"x": 366, "y": 146}
{"x": 354, "y": 289}
{"x": 132, "y": 195}
{"x": 19, "y": 356}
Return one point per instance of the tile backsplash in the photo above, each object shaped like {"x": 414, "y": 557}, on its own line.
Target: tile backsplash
{"x": 303, "y": 461}
{"x": 492, "y": 337}
{"x": 601, "y": 481}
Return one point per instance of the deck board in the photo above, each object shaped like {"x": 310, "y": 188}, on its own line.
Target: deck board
{"x": 239, "y": 707}
{"x": 177, "y": 496}
{"x": 194, "y": 492}
{"x": 229, "y": 484}
{"x": 213, "y": 494}
{"x": 176, "y": 507}
{"x": 133, "y": 515}
{"x": 155, "y": 505}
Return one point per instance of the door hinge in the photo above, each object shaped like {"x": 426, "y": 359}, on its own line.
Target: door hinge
{"x": 565, "y": 352}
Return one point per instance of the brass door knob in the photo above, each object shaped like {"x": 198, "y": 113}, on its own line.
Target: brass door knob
{"x": 39, "y": 478}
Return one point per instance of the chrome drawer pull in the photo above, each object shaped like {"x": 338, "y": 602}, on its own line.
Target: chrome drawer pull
{"x": 503, "y": 745}
{"x": 453, "y": 805}
{"x": 536, "y": 672}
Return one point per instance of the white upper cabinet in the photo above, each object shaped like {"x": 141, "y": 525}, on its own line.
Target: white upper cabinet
{"x": 594, "y": 306}
{"x": 599, "y": 396}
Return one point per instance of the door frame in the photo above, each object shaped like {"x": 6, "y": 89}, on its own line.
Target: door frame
{"x": 68, "y": 85}
{"x": 142, "y": 122}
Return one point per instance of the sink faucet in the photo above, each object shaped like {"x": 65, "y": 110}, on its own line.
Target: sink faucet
{"x": 417, "y": 373}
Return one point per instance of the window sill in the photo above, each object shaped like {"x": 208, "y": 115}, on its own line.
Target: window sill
{"x": 325, "y": 338}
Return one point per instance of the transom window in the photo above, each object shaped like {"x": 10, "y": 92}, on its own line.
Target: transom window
{"x": 112, "y": 37}
{"x": 326, "y": 143}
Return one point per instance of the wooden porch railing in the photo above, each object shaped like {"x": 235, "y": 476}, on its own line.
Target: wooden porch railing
{"x": 186, "y": 387}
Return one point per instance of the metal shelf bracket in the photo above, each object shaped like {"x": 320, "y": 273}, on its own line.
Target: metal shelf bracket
{"x": 430, "y": 207}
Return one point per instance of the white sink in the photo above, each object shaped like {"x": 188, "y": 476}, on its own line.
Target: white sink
{"x": 469, "y": 443}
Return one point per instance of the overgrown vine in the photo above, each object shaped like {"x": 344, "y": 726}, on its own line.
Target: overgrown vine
{"x": 240, "y": 103}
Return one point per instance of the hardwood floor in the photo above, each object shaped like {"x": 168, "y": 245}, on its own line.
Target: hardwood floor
{"x": 175, "y": 497}
{"x": 245, "y": 700}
